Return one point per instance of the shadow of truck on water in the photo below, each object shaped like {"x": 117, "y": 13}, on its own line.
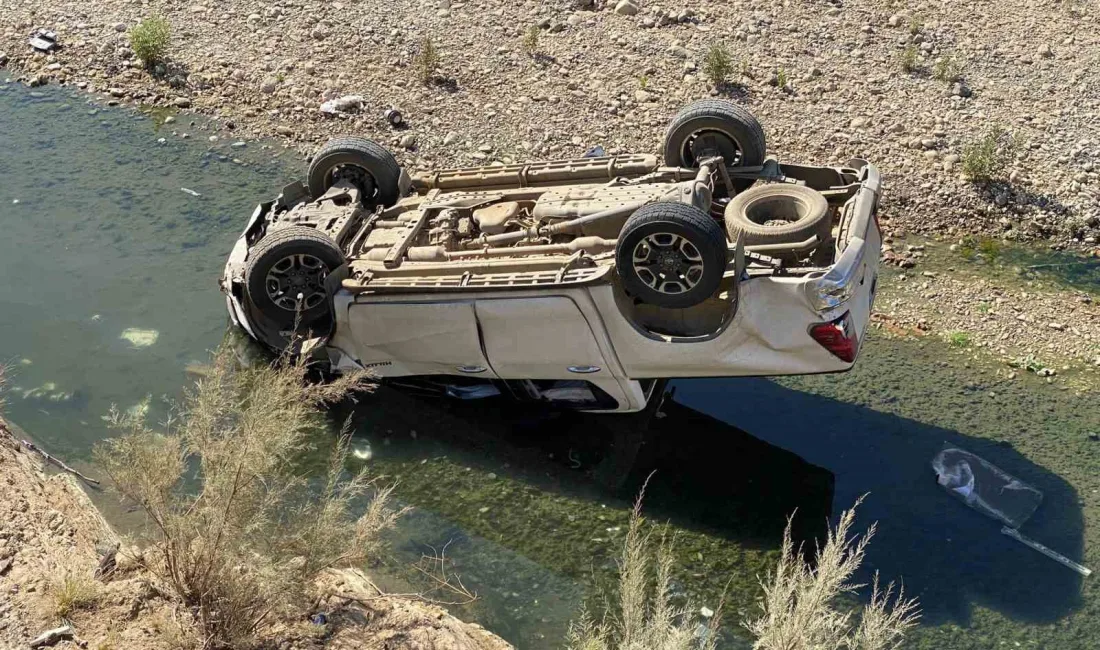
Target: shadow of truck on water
{"x": 734, "y": 457}
{"x": 947, "y": 554}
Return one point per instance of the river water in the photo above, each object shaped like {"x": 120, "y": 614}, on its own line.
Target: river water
{"x": 101, "y": 247}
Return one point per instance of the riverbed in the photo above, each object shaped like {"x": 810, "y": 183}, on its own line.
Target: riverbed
{"x": 112, "y": 244}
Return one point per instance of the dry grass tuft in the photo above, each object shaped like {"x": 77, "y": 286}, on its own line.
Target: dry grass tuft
{"x": 531, "y": 40}
{"x": 800, "y": 608}
{"x": 71, "y": 589}
{"x": 645, "y": 618}
{"x": 426, "y": 61}
{"x": 240, "y": 532}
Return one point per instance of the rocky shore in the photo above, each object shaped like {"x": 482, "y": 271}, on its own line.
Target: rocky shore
{"x": 907, "y": 86}
{"x": 57, "y": 591}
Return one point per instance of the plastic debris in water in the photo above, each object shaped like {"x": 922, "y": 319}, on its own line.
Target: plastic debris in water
{"x": 986, "y": 487}
{"x": 190, "y": 191}
{"x": 363, "y": 452}
{"x": 995, "y": 493}
{"x": 140, "y": 338}
{"x": 141, "y": 409}
{"x": 25, "y": 362}
{"x": 199, "y": 369}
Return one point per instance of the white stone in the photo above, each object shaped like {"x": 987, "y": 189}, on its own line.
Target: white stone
{"x": 626, "y": 8}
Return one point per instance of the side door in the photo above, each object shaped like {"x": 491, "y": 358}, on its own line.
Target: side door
{"x": 539, "y": 338}
{"x": 419, "y": 338}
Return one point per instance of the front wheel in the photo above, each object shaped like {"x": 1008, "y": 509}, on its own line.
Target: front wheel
{"x": 671, "y": 255}
{"x": 285, "y": 276}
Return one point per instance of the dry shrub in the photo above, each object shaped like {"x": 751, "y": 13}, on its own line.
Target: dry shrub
{"x": 426, "y": 61}
{"x": 240, "y": 532}
{"x": 988, "y": 157}
{"x": 800, "y": 604}
{"x": 645, "y": 617}
{"x": 718, "y": 64}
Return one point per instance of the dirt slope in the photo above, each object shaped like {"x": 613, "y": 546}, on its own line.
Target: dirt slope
{"x": 49, "y": 527}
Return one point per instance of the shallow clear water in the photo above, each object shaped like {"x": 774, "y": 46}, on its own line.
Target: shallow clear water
{"x": 531, "y": 506}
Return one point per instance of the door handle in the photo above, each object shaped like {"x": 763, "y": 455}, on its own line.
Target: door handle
{"x": 471, "y": 370}
{"x": 583, "y": 370}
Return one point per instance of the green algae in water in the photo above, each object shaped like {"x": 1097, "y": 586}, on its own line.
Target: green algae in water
{"x": 1019, "y": 263}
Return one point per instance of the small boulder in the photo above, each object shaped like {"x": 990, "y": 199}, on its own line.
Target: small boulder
{"x": 626, "y": 8}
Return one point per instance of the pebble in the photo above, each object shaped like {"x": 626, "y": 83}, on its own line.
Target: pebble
{"x": 268, "y": 86}
{"x": 451, "y": 138}
{"x": 182, "y": 102}
{"x": 120, "y": 27}
{"x": 1045, "y": 50}
{"x": 282, "y": 129}
{"x": 408, "y": 141}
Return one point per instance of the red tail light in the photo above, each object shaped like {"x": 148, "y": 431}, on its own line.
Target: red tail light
{"x": 837, "y": 337}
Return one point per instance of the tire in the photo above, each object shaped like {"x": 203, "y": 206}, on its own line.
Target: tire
{"x": 734, "y": 126}
{"x": 312, "y": 256}
{"x": 375, "y": 169}
{"x": 805, "y": 210}
{"x": 659, "y": 248}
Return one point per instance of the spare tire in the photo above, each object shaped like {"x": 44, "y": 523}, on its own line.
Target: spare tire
{"x": 715, "y": 127}
{"x": 778, "y": 213}
{"x": 365, "y": 163}
{"x": 671, "y": 255}
{"x": 286, "y": 274}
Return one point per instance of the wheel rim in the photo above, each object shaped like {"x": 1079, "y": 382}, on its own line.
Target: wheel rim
{"x": 297, "y": 282}
{"x": 711, "y": 142}
{"x": 354, "y": 174}
{"x": 668, "y": 263}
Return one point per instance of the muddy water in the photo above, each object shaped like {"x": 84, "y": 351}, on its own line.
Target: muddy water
{"x": 529, "y": 507}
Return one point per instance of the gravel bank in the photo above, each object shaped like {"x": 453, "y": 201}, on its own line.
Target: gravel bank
{"x": 610, "y": 75}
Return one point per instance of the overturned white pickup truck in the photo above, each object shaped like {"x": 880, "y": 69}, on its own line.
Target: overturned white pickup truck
{"x": 575, "y": 282}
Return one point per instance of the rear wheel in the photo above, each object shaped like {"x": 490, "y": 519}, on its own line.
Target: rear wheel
{"x": 364, "y": 163}
{"x": 712, "y": 127}
{"x": 671, "y": 255}
{"x": 285, "y": 276}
